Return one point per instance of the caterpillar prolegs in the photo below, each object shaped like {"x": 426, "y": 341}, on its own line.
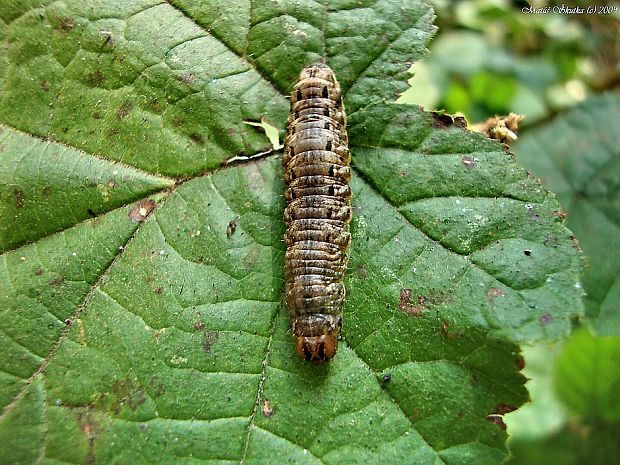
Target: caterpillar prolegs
{"x": 316, "y": 162}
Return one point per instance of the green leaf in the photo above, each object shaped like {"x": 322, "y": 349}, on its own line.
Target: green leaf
{"x": 22, "y": 429}
{"x": 587, "y": 376}
{"x": 58, "y": 187}
{"x": 155, "y": 333}
{"x": 43, "y": 286}
{"x": 138, "y": 82}
{"x": 577, "y": 155}
{"x": 503, "y": 250}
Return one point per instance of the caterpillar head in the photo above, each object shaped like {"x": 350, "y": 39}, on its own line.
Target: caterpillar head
{"x": 317, "y": 349}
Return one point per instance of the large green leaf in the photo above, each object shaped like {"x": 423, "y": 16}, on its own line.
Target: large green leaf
{"x": 154, "y": 331}
{"x": 578, "y": 156}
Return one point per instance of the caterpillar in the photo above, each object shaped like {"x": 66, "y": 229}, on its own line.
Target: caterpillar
{"x": 316, "y": 164}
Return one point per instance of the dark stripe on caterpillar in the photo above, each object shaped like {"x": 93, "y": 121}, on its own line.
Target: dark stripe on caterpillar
{"x": 316, "y": 162}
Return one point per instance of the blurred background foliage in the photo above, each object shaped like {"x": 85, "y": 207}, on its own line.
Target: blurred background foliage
{"x": 562, "y": 71}
{"x": 489, "y": 57}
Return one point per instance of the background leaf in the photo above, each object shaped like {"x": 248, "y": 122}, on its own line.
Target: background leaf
{"x": 579, "y": 383}
{"x": 577, "y": 155}
{"x": 154, "y": 332}
{"x": 592, "y": 395}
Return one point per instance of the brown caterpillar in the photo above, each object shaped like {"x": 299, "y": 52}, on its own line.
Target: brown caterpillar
{"x": 316, "y": 162}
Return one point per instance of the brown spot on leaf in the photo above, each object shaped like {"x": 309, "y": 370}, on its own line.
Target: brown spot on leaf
{"x": 267, "y": 410}
{"x": 520, "y": 362}
{"x": 90, "y": 429}
{"x": 57, "y": 281}
{"x": 127, "y": 393}
{"x": 441, "y": 121}
{"x": 498, "y": 411}
{"x": 468, "y": 162}
{"x": 546, "y": 319}
{"x": 494, "y": 293}
{"x": 496, "y": 419}
{"x": 142, "y": 209}
{"x": 158, "y": 290}
{"x": 47, "y": 191}
{"x": 124, "y": 110}
{"x": 66, "y": 24}
{"x": 412, "y": 309}
{"x": 109, "y": 39}
{"x": 199, "y": 326}
{"x": 502, "y": 409}
{"x": 154, "y": 105}
{"x": 96, "y": 115}
{"x": 362, "y": 271}
{"x": 252, "y": 259}
{"x": 38, "y": 271}
{"x": 560, "y": 214}
{"x": 210, "y": 338}
{"x": 576, "y": 244}
{"x": 157, "y": 386}
{"x": 406, "y": 306}
{"x": 445, "y": 330}
{"x": 405, "y": 297}
{"x": 45, "y": 86}
{"x": 197, "y": 138}
{"x": 19, "y": 198}
{"x": 187, "y": 78}
{"x": 96, "y": 78}
{"x": 230, "y": 230}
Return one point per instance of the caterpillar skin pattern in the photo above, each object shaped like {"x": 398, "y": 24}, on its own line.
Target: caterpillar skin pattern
{"x": 316, "y": 162}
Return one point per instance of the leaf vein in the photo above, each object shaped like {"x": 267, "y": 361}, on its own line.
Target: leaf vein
{"x": 243, "y": 57}
{"x": 259, "y": 390}
{"x": 63, "y": 336}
